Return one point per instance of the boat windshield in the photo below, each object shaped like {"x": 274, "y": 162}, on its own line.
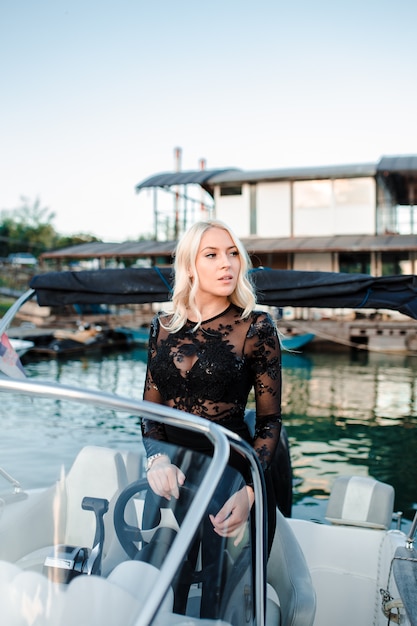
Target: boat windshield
{"x": 81, "y": 532}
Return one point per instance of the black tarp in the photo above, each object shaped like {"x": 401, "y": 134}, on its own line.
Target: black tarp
{"x": 274, "y": 287}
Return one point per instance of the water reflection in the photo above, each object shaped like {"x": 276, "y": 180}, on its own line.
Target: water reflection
{"x": 344, "y": 414}
{"x": 122, "y": 373}
{"x": 348, "y": 414}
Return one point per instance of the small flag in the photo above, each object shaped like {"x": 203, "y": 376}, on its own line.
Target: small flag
{"x": 9, "y": 361}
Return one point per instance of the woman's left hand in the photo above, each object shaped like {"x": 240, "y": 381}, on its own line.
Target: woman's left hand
{"x": 231, "y": 520}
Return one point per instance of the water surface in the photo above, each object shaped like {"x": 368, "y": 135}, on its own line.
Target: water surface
{"x": 343, "y": 415}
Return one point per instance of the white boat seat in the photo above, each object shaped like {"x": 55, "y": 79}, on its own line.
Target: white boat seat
{"x": 138, "y": 578}
{"x": 134, "y": 464}
{"x": 352, "y": 558}
{"x": 96, "y": 472}
{"x": 273, "y": 609}
{"x": 288, "y": 574}
{"x": 28, "y": 597}
{"x": 361, "y": 501}
{"x": 27, "y": 525}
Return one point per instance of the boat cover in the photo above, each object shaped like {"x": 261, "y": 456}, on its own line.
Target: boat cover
{"x": 405, "y": 574}
{"x": 274, "y": 287}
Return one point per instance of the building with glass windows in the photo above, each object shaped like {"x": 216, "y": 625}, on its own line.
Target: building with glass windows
{"x": 347, "y": 218}
{"x": 358, "y": 218}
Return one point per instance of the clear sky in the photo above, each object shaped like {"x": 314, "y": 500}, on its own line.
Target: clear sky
{"x": 95, "y": 95}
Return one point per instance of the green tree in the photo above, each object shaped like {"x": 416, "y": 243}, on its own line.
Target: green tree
{"x": 65, "y": 241}
{"x": 27, "y": 228}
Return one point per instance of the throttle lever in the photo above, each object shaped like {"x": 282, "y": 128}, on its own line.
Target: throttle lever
{"x": 99, "y": 506}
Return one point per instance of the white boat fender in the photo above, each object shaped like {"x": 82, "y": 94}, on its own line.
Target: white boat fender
{"x": 391, "y": 607}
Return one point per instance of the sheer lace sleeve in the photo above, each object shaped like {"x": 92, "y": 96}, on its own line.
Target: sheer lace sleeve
{"x": 152, "y": 431}
{"x": 263, "y": 350}
{"x": 210, "y": 373}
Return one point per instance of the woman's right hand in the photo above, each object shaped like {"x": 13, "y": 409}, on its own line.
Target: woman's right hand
{"x": 164, "y": 478}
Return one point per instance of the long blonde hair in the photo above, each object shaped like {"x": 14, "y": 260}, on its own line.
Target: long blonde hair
{"x": 185, "y": 289}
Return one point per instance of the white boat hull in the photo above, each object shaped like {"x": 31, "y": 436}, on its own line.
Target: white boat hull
{"x": 348, "y": 565}
{"x": 21, "y": 346}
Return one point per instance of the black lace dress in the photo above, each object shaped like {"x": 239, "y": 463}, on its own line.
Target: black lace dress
{"x": 210, "y": 372}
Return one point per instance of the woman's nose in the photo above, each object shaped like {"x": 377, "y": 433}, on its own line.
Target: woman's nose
{"x": 225, "y": 260}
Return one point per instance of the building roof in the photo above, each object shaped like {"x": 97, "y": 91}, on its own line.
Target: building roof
{"x": 334, "y": 243}
{"x": 295, "y": 173}
{"x": 403, "y": 164}
{"x": 399, "y": 172}
{"x": 209, "y": 178}
{"x": 100, "y": 249}
{"x": 254, "y": 245}
{"x": 400, "y": 176}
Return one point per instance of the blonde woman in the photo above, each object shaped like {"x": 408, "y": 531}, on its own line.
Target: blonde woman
{"x": 204, "y": 358}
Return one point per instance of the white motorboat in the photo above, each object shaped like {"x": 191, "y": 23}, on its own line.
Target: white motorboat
{"x": 75, "y": 547}
{"x": 21, "y": 346}
{"x": 75, "y": 551}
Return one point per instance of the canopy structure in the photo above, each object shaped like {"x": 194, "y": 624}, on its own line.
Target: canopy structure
{"x": 194, "y": 177}
{"x": 274, "y": 287}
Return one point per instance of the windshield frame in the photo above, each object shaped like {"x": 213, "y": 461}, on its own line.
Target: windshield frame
{"x": 222, "y": 441}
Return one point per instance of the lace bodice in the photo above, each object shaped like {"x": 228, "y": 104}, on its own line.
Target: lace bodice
{"x": 210, "y": 372}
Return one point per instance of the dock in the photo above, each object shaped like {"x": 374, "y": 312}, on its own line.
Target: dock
{"x": 394, "y": 337}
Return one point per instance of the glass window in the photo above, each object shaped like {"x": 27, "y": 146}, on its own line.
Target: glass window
{"x": 231, "y": 191}
{"x": 394, "y": 262}
{"x": 312, "y": 194}
{"x": 406, "y": 220}
{"x": 353, "y": 191}
{"x": 355, "y": 263}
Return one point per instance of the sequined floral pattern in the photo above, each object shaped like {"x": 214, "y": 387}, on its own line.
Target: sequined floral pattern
{"x": 210, "y": 372}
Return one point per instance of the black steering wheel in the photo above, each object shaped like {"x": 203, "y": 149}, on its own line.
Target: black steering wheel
{"x": 126, "y": 533}
{"x": 129, "y": 535}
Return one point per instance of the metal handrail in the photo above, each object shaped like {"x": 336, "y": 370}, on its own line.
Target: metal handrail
{"x": 243, "y": 448}
{"x": 411, "y": 535}
{"x": 11, "y": 312}
{"x": 15, "y": 483}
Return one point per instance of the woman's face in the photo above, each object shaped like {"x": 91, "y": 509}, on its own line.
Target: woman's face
{"x": 217, "y": 263}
